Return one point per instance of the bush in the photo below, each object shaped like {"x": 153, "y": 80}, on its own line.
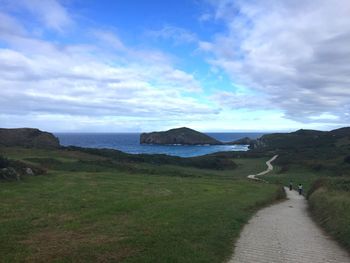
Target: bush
{"x": 4, "y": 162}
{"x": 347, "y": 159}
{"x": 284, "y": 169}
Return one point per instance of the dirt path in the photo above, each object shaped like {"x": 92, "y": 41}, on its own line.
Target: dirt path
{"x": 284, "y": 232}
{"x": 269, "y": 169}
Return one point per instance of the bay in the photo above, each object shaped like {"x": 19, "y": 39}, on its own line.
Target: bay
{"x": 129, "y": 143}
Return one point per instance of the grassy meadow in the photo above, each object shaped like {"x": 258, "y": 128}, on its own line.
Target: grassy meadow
{"x": 90, "y": 208}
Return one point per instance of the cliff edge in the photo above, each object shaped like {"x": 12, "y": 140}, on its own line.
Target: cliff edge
{"x": 28, "y": 137}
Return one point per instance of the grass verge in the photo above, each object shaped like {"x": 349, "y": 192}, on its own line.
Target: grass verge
{"x": 329, "y": 203}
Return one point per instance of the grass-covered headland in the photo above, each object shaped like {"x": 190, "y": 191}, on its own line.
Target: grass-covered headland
{"x": 100, "y": 206}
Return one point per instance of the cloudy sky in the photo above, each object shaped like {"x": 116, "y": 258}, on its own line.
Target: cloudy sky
{"x": 212, "y": 65}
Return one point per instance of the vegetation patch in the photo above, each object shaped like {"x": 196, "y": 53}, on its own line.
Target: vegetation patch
{"x": 16, "y": 170}
{"x": 329, "y": 201}
{"x": 202, "y": 162}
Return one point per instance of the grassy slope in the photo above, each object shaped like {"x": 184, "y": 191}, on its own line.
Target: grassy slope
{"x": 329, "y": 201}
{"x": 78, "y": 161}
{"x": 111, "y": 214}
{"x": 295, "y": 174}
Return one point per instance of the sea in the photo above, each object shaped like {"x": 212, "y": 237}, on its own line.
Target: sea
{"x": 130, "y": 143}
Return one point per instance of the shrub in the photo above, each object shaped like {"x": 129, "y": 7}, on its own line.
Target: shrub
{"x": 347, "y": 159}
{"x": 284, "y": 169}
{"x": 4, "y": 162}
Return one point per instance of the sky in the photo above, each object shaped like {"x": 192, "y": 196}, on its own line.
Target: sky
{"x": 212, "y": 65}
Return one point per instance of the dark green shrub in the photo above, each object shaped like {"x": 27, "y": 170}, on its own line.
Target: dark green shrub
{"x": 4, "y": 162}
{"x": 284, "y": 169}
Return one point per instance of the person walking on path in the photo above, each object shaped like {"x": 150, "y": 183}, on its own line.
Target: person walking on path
{"x": 290, "y": 186}
{"x": 300, "y": 189}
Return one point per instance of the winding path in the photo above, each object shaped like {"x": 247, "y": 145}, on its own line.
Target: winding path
{"x": 285, "y": 233}
{"x": 269, "y": 169}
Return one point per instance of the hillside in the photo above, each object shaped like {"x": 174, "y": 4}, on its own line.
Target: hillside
{"x": 319, "y": 150}
{"x": 28, "y": 137}
{"x": 302, "y": 139}
{"x": 210, "y": 161}
{"x": 184, "y": 136}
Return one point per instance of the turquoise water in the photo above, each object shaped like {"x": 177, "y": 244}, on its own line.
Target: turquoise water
{"x": 129, "y": 142}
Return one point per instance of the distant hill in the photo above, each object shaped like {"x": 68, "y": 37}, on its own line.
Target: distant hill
{"x": 183, "y": 136}
{"x": 28, "y": 137}
{"x": 320, "y": 150}
{"x": 302, "y": 139}
{"x": 242, "y": 141}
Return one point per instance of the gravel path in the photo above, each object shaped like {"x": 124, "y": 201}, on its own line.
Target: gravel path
{"x": 284, "y": 232}
{"x": 269, "y": 169}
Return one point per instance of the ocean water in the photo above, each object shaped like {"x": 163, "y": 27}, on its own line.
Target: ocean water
{"x": 129, "y": 142}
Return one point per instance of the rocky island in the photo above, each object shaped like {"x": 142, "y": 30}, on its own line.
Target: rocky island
{"x": 183, "y": 136}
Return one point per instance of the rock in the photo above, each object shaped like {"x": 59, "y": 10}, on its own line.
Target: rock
{"x": 29, "y": 171}
{"x": 9, "y": 174}
{"x": 182, "y": 136}
{"x": 27, "y": 137}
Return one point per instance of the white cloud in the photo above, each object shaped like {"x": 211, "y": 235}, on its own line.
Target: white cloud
{"x": 205, "y": 46}
{"x": 43, "y": 80}
{"x": 75, "y": 85}
{"x": 237, "y": 100}
{"x": 176, "y": 34}
{"x": 205, "y": 17}
{"x": 10, "y": 26}
{"x": 109, "y": 38}
{"x": 296, "y": 52}
{"x": 51, "y": 12}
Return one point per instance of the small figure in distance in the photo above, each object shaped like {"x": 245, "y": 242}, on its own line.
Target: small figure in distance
{"x": 300, "y": 189}
{"x": 290, "y": 186}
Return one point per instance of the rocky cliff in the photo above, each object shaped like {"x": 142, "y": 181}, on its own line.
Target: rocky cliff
{"x": 27, "y": 137}
{"x": 184, "y": 136}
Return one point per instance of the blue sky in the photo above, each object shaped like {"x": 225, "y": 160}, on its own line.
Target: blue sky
{"x": 225, "y": 65}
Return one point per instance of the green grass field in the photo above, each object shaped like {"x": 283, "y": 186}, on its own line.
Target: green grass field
{"x": 82, "y": 211}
